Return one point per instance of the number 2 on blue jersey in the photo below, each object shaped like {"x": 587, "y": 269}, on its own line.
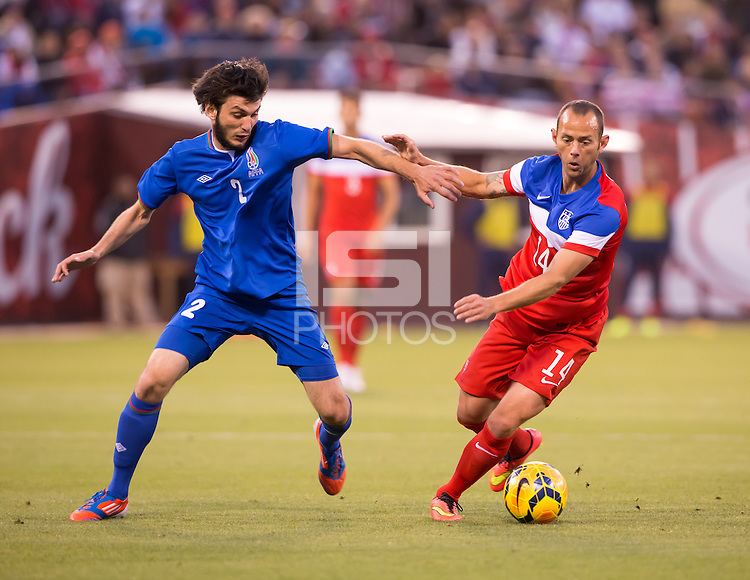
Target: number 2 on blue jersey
{"x": 235, "y": 183}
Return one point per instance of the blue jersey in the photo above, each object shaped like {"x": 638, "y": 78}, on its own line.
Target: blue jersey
{"x": 243, "y": 203}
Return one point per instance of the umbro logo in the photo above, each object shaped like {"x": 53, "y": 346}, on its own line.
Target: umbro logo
{"x": 204, "y": 178}
{"x": 325, "y": 346}
{"x": 119, "y": 447}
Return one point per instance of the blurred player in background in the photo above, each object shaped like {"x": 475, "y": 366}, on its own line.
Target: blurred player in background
{"x": 239, "y": 176}
{"x": 646, "y": 248}
{"x": 495, "y": 228}
{"x": 342, "y": 195}
{"x": 553, "y": 301}
{"x": 124, "y": 281}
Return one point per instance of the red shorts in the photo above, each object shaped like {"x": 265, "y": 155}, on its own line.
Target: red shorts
{"x": 341, "y": 257}
{"x": 511, "y": 350}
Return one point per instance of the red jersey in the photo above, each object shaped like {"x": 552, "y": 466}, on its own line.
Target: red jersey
{"x": 349, "y": 200}
{"x": 590, "y": 220}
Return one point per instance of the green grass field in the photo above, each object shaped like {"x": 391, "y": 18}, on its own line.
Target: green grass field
{"x": 228, "y": 487}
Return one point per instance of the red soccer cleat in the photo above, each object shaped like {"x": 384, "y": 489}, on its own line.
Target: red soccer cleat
{"x": 502, "y": 470}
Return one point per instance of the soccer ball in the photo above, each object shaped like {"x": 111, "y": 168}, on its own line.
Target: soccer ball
{"x": 535, "y": 492}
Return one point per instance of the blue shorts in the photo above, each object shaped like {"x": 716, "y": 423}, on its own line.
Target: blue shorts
{"x": 286, "y": 321}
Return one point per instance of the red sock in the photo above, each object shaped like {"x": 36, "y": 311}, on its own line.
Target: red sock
{"x": 520, "y": 444}
{"x": 339, "y": 321}
{"x": 347, "y": 350}
{"x": 356, "y": 325}
{"x": 479, "y": 455}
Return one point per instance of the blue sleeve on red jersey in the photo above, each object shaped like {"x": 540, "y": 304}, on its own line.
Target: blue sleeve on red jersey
{"x": 536, "y": 173}
{"x": 158, "y": 182}
{"x": 603, "y": 221}
{"x": 300, "y": 144}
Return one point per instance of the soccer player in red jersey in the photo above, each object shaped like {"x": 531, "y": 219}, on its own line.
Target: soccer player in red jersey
{"x": 553, "y": 304}
{"x": 343, "y": 200}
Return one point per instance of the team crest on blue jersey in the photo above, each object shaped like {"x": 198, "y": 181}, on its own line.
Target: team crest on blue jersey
{"x": 253, "y": 163}
{"x": 563, "y": 221}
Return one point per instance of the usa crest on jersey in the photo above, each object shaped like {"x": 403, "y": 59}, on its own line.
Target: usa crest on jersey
{"x": 563, "y": 221}
{"x": 253, "y": 163}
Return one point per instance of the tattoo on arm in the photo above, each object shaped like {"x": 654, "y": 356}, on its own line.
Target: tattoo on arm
{"x": 495, "y": 185}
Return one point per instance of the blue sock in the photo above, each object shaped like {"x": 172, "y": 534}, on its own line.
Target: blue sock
{"x": 330, "y": 434}
{"x": 134, "y": 431}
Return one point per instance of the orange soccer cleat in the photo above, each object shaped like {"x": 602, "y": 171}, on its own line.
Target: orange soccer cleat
{"x": 100, "y": 506}
{"x": 332, "y": 468}
{"x": 502, "y": 470}
{"x": 445, "y": 509}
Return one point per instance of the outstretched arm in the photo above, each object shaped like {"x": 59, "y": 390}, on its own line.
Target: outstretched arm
{"x": 128, "y": 223}
{"x": 443, "y": 180}
{"x": 475, "y": 183}
{"x": 562, "y": 269}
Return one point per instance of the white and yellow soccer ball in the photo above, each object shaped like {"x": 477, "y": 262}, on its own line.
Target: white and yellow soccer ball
{"x": 535, "y": 492}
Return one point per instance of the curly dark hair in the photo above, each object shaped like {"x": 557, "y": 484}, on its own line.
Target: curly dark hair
{"x": 247, "y": 77}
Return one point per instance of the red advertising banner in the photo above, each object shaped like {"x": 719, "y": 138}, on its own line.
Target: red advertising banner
{"x": 54, "y": 174}
{"x": 48, "y": 192}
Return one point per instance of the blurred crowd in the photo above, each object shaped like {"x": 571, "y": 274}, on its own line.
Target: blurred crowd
{"x": 660, "y": 57}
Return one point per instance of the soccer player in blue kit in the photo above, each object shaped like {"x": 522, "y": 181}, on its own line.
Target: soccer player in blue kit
{"x": 248, "y": 281}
